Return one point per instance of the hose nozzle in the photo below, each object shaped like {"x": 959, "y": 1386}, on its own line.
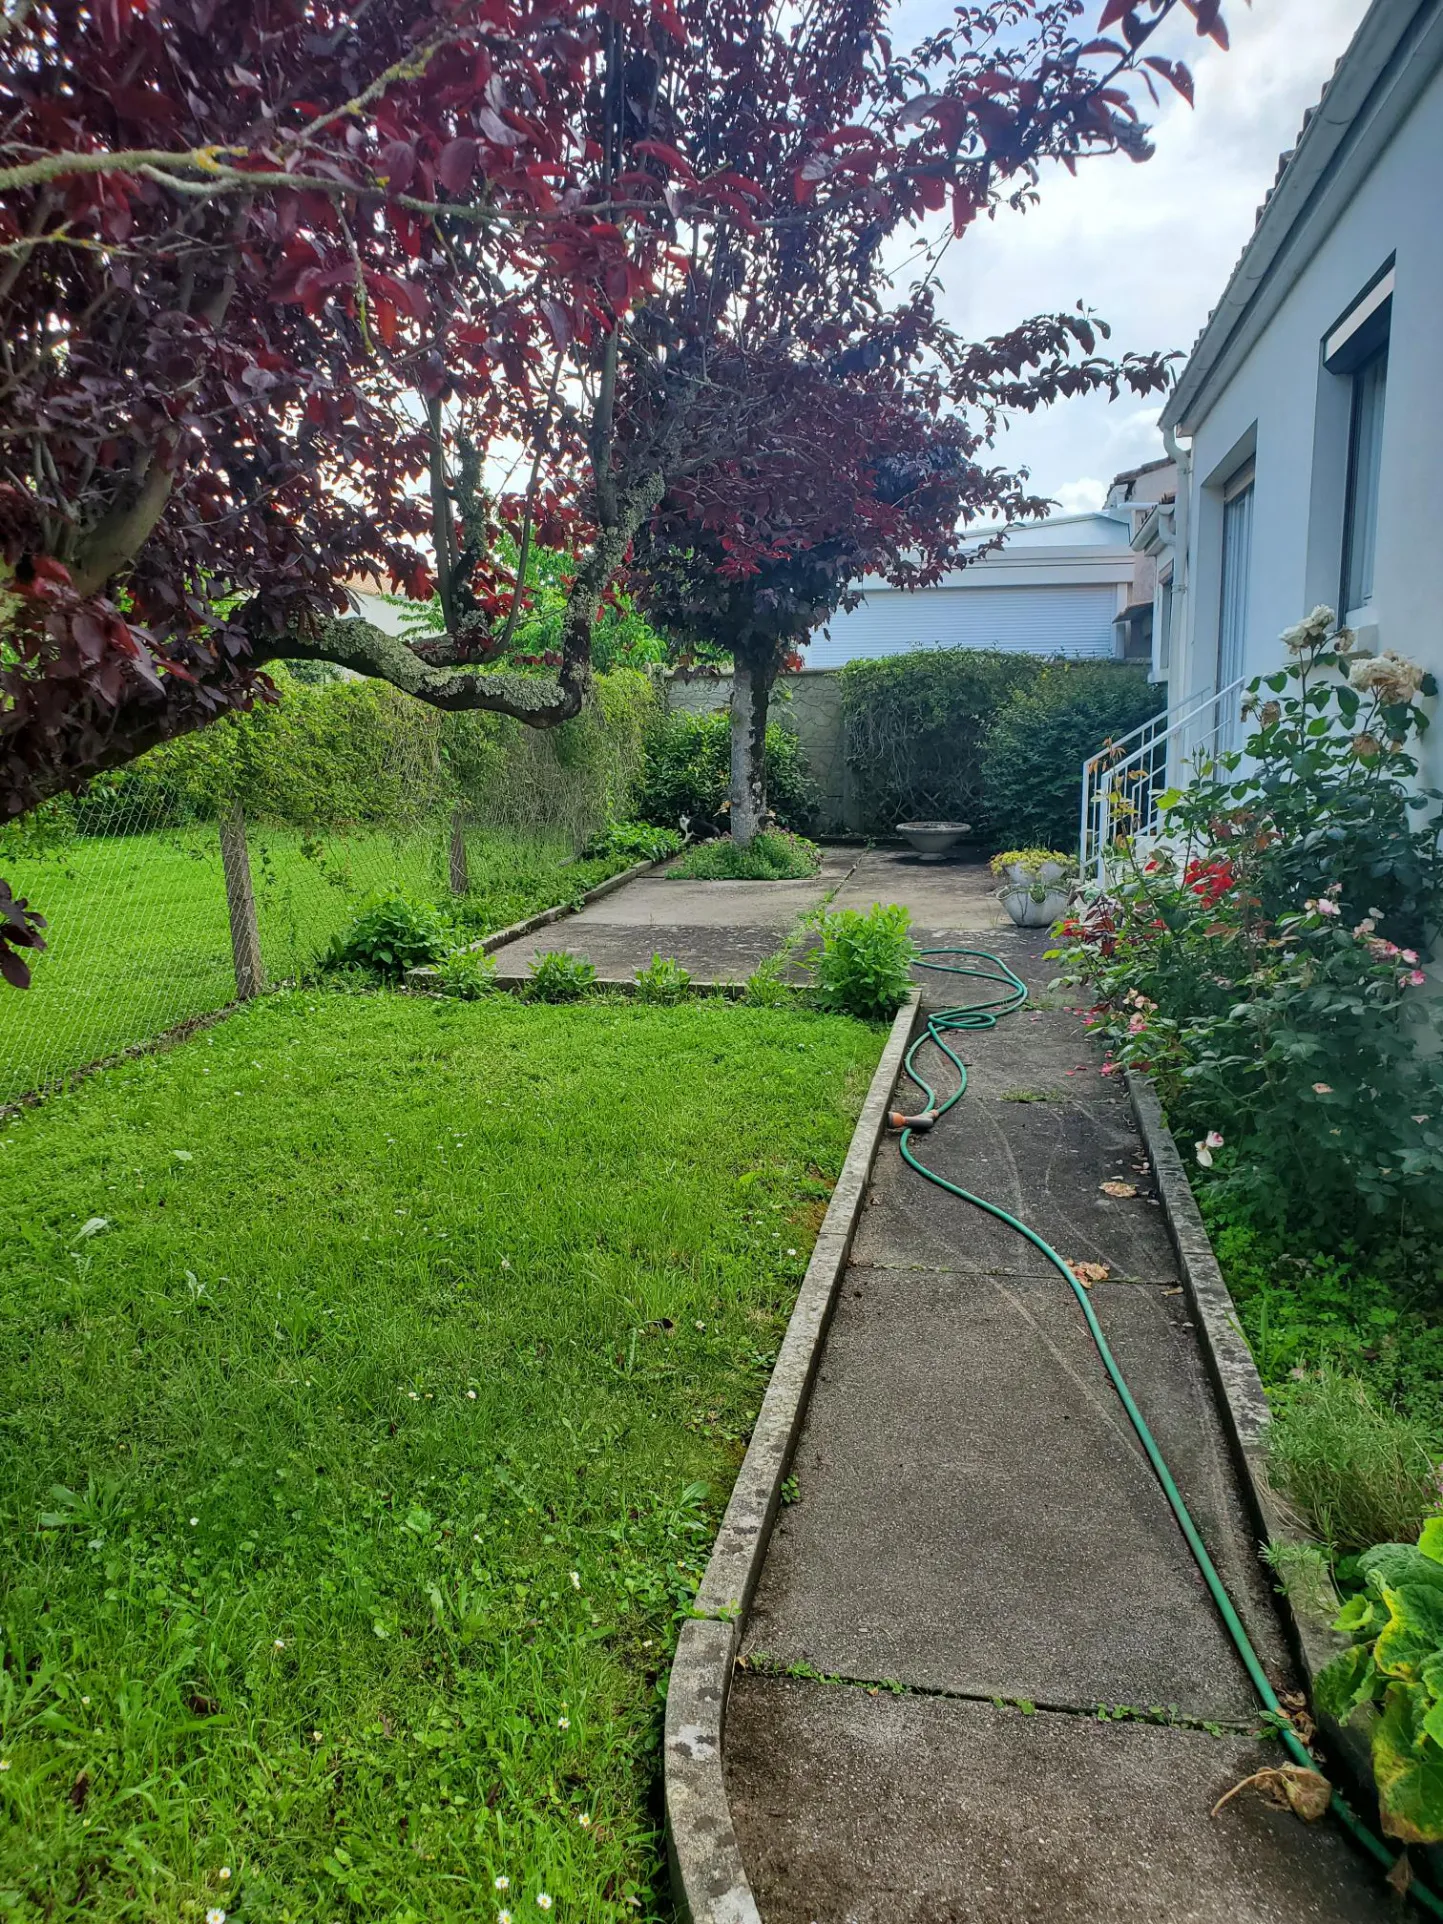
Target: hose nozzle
{"x": 921, "y": 1123}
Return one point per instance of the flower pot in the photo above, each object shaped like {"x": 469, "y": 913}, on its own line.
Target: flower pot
{"x": 1023, "y": 875}
{"x": 933, "y": 838}
{"x": 1027, "y": 912}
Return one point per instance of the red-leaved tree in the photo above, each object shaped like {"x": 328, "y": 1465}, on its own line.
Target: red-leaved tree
{"x": 279, "y": 278}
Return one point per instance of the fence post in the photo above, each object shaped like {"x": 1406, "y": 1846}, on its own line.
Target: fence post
{"x": 245, "y": 940}
{"x": 460, "y": 878}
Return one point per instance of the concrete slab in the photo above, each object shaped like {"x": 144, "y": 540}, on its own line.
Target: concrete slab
{"x": 943, "y": 896}
{"x": 853, "y": 1809}
{"x": 719, "y": 931}
{"x": 976, "y": 1514}
{"x": 1045, "y": 1162}
{"x": 710, "y": 954}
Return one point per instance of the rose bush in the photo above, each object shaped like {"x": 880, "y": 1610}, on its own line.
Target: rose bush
{"x": 1262, "y": 960}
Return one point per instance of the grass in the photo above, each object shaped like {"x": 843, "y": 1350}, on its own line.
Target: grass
{"x": 773, "y": 856}
{"x": 1358, "y": 1471}
{"x": 139, "y": 937}
{"x": 1349, "y": 1347}
{"x": 372, "y": 1375}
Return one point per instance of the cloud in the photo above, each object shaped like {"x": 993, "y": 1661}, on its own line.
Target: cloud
{"x": 1148, "y": 247}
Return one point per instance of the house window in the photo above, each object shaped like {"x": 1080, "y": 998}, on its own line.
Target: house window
{"x": 1356, "y": 350}
{"x": 1163, "y": 652}
{"x": 1237, "y": 555}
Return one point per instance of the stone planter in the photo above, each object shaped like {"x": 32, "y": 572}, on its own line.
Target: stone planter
{"x": 1026, "y": 911}
{"x": 933, "y": 838}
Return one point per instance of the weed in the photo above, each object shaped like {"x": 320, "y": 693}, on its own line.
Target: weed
{"x": 466, "y": 975}
{"x": 560, "y": 977}
{"x": 864, "y": 964}
{"x": 390, "y": 936}
{"x": 663, "y": 980}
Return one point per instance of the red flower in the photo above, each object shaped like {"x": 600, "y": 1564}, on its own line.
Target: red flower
{"x": 1210, "y": 880}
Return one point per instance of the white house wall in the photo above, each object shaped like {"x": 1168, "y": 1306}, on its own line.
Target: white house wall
{"x": 1064, "y": 620}
{"x": 1280, "y": 405}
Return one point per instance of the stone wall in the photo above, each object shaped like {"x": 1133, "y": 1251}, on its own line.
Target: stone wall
{"x": 810, "y": 704}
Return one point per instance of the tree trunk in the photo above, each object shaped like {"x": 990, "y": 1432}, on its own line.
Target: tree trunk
{"x": 751, "y": 691}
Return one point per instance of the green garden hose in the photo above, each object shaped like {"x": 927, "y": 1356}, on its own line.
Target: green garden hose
{"x": 981, "y": 966}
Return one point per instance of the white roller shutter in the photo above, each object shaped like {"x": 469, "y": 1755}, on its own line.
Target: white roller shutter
{"x": 1071, "y": 620}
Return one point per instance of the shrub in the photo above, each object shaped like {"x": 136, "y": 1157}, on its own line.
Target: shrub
{"x": 663, "y": 980}
{"x": 467, "y": 974}
{"x": 1356, "y": 1470}
{"x": 390, "y": 936}
{"x": 774, "y": 856}
{"x": 637, "y": 841}
{"x": 863, "y": 967}
{"x": 559, "y": 977}
{"x": 914, "y": 729}
{"x": 687, "y": 774}
{"x": 1032, "y": 755}
{"x": 1283, "y": 1027}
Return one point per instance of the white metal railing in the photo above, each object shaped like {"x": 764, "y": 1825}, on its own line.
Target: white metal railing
{"x": 1124, "y": 782}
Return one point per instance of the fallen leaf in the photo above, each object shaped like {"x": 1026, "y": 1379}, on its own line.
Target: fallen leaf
{"x": 1401, "y": 1875}
{"x": 1304, "y": 1792}
{"x": 1118, "y": 1188}
{"x": 1089, "y": 1273}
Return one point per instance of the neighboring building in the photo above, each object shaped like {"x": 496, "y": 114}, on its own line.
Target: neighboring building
{"x": 1312, "y": 400}
{"x": 1071, "y": 585}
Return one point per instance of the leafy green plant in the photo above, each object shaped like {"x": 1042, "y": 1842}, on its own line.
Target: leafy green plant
{"x": 863, "y": 966}
{"x": 663, "y": 980}
{"x": 686, "y": 777}
{"x": 390, "y": 936}
{"x": 774, "y": 856}
{"x": 560, "y": 977}
{"x": 1033, "y": 752}
{"x": 1396, "y": 1660}
{"x": 467, "y": 975}
{"x": 638, "y": 841}
{"x": 1354, "y": 1468}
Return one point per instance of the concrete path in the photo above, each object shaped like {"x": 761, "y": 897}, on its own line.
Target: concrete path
{"x": 980, "y": 1557}
{"x": 719, "y": 931}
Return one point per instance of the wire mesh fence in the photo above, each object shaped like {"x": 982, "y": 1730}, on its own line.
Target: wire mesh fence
{"x": 156, "y": 917}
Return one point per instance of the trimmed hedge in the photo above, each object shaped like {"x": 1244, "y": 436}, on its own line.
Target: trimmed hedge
{"x": 979, "y": 736}
{"x": 687, "y": 771}
{"x": 1032, "y": 755}
{"x": 353, "y": 753}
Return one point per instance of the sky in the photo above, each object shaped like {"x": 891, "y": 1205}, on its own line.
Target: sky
{"x": 1148, "y": 247}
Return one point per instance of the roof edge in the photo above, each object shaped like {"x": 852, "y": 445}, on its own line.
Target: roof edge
{"x": 1362, "y": 69}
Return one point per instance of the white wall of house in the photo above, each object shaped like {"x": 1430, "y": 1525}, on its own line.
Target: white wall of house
{"x": 1055, "y": 589}
{"x": 1363, "y": 194}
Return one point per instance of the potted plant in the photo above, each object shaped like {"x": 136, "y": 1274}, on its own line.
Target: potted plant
{"x": 1037, "y": 884}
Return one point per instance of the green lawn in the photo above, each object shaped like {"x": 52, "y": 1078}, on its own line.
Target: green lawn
{"x": 139, "y": 938}
{"x": 372, "y": 1375}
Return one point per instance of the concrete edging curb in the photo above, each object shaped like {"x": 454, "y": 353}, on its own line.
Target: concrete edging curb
{"x": 419, "y": 978}
{"x": 1243, "y": 1405}
{"x": 709, "y": 1880}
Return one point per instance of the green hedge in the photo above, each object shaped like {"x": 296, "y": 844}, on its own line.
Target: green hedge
{"x": 687, "y": 771}
{"x": 979, "y": 736}
{"x": 355, "y": 754}
{"x": 1032, "y": 755}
